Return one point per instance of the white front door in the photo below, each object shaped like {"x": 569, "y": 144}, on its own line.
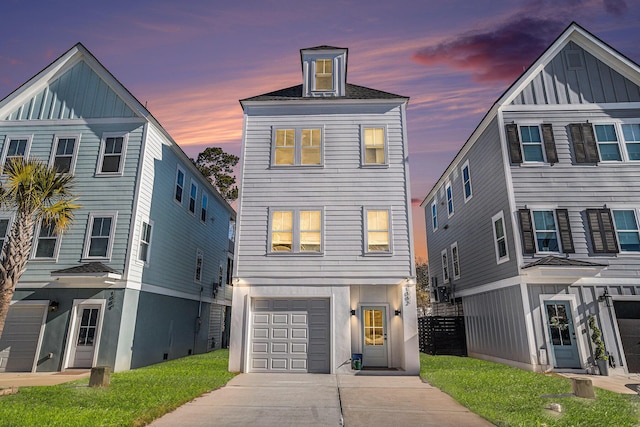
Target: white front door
{"x": 374, "y": 334}
{"x": 86, "y": 329}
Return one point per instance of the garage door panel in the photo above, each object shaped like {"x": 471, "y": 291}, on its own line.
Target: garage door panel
{"x": 279, "y": 347}
{"x": 260, "y": 364}
{"x": 299, "y": 333}
{"x": 19, "y": 341}
{"x": 280, "y": 333}
{"x": 628, "y": 315}
{"x": 298, "y": 319}
{"x": 299, "y": 365}
{"x": 260, "y": 347}
{"x": 260, "y": 319}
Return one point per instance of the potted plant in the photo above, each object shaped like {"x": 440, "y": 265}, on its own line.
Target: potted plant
{"x": 599, "y": 352}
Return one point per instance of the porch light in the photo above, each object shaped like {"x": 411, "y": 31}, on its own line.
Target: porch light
{"x": 353, "y": 312}
{"x": 605, "y": 297}
{"x": 53, "y": 305}
{"x": 397, "y": 312}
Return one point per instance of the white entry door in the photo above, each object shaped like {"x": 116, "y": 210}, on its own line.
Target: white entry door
{"x": 87, "y": 329}
{"x": 374, "y": 333}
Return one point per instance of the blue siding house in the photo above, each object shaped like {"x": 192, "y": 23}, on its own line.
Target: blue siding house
{"x": 535, "y": 225}
{"x": 141, "y": 275}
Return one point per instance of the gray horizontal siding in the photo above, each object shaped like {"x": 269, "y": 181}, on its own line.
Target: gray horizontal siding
{"x": 576, "y": 187}
{"x": 471, "y": 224}
{"x": 594, "y": 83}
{"x": 341, "y": 186}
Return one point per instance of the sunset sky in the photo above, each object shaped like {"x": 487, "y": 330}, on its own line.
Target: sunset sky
{"x": 191, "y": 61}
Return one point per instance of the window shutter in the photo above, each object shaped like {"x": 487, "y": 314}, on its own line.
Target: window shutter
{"x": 565, "y": 231}
{"x": 603, "y": 235}
{"x": 584, "y": 143}
{"x": 526, "y": 230}
{"x": 514, "y": 143}
{"x": 549, "y": 143}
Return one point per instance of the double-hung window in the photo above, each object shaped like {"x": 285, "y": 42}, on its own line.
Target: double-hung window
{"x": 626, "y": 224}
{"x": 608, "y": 144}
{"x": 145, "y": 241}
{"x": 500, "y": 238}
{"x": 112, "y": 151}
{"x": 179, "y": 190}
{"x": 100, "y": 232}
{"x": 63, "y": 155}
{"x": 16, "y": 147}
{"x": 617, "y": 142}
{"x": 466, "y": 181}
{"x": 324, "y": 74}
{"x": 204, "y": 205}
{"x": 545, "y": 231}
{"x": 378, "y": 231}
{"x": 193, "y": 196}
{"x": 46, "y": 242}
{"x": 295, "y": 231}
{"x": 455, "y": 260}
{"x": 445, "y": 266}
{"x": 531, "y": 144}
{"x": 631, "y": 135}
{"x": 199, "y": 265}
{"x": 434, "y": 215}
{"x": 449, "y": 192}
{"x": 297, "y": 147}
{"x": 374, "y": 146}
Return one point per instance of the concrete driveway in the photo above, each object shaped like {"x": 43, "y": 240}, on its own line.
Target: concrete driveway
{"x": 323, "y": 400}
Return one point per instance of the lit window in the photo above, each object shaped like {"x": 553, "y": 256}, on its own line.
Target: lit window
{"x": 99, "y": 236}
{"x": 64, "y": 154}
{"x": 311, "y": 146}
{"x": 285, "y": 146}
{"x": 500, "y": 238}
{"x": 179, "y": 185}
{"x": 378, "y": 236}
{"x": 374, "y": 146}
{"x": 626, "y": 224}
{"x": 282, "y": 231}
{"x": 310, "y": 233}
{"x": 608, "y": 143}
{"x": 112, "y": 155}
{"x": 297, "y": 146}
{"x": 145, "y": 242}
{"x": 324, "y": 74}
{"x": 531, "y": 144}
{"x": 296, "y": 231}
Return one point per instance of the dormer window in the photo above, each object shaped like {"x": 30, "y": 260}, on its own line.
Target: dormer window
{"x": 324, "y": 74}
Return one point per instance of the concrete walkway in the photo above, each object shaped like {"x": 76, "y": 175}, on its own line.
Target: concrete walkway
{"x": 27, "y": 379}
{"x": 323, "y": 400}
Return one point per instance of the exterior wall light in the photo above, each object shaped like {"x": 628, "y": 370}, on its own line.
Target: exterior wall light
{"x": 353, "y": 312}
{"x": 397, "y": 312}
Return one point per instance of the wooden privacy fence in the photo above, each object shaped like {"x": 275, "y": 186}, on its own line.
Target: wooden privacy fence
{"x": 440, "y": 335}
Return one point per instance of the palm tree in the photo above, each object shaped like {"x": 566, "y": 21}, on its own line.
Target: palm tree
{"x": 35, "y": 192}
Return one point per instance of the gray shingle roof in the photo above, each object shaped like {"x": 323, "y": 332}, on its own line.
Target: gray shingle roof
{"x": 323, "y": 47}
{"x": 352, "y": 92}
{"x": 88, "y": 268}
{"x": 555, "y": 261}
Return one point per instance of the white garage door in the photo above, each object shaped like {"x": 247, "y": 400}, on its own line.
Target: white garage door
{"x": 290, "y": 335}
{"x": 21, "y": 335}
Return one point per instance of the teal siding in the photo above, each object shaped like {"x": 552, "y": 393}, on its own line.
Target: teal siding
{"x": 79, "y": 93}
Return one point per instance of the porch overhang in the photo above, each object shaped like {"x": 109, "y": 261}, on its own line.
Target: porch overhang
{"x": 94, "y": 273}
{"x": 560, "y": 270}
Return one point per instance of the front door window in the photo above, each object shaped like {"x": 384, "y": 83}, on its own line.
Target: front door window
{"x": 374, "y": 333}
{"x": 562, "y": 334}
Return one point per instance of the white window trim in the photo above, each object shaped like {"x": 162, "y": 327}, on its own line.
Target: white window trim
{"x": 204, "y": 197}
{"x": 175, "y": 185}
{"x": 455, "y": 259}
{"x": 522, "y": 144}
{"x": 434, "y": 215}
{"x": 363, "y": 148}
{"x": 103, "y": 143}
{"x": 615, "y": 227}
{"x": 500, "y": 215}
{"x": 444, "y": 261}
{"x": 87, "y": 239}
{"x": 297, "y": 146}
{"x": 147, "y": 261}
{"x": 333, "y": 74}
{"x": 295, "y": 230}
{"x": 34, "y": 246}
{"x": 449, "y": 189}
{"x": 622, "y": 143}
{"x": 365, "y": 234}
{"x": 464, "y": 191}
{"x": 74, "y": 156}
{"x": 8, "y": 138}
{"x": 533, "y": 209}
{"x": 72, "y": 330}
{"x": 199, "y": 256}
{"x": 193, "y": 183}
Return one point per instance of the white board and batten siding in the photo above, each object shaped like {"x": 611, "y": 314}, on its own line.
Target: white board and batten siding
{"x": 341, "y": 187}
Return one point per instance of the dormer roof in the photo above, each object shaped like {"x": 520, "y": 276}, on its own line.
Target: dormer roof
{"x": 294, "y": 93}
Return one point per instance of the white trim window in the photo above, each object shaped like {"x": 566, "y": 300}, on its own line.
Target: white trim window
{"x": 99, "y": 240}
{"x": 179, "y": 187}
{"x": 199, "y": 265}
{"x": 545, "y": 231}
{"x": 618, "y": 142}
{"x": 467, "y": 190}
{"x": 434, "y": 215}
{"x": 627, "y": 231}
{"x": 374, "y": 146}
{"x": 445, "y": 266}
{"x": 16, "y": 147}
{"x": 112, "y": 152}
{"x": 608, "y": 144}
{"x": 323, "y": 74}
{"x": 449, "y": 192}
{"x": 193, "y": 196}
{"x": 145, "y": 241}
{"x": 46, "y": 242}
{"x": 455, "y": 260}
{"x": 204, "y": 205}
{"x": 297, "y": 146}
{"x": 500, "y": 238}
{"x": 631, "y": 136}
{"x": 5, "y": 227}
{"x": 64, "y": 153}
{"x": 531, "y": 139}
{"x": 378, "y": 236}
{"x": 296, "y": 231}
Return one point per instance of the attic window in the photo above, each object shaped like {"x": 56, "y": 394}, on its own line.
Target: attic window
{"x": 574, "y": 60}
{"x": 324, "y": 74}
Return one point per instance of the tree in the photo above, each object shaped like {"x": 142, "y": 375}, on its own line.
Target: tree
{"x": 35, "y": 192}
{"x": 422, "y": 286}
{"x": 217, "y": 165}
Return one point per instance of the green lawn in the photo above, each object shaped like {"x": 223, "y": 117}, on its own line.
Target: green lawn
{"x": 512, "y": 397}
{"x": 134, "y": 398}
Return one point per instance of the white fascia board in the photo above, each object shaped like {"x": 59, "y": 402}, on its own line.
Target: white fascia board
{"x": 321, "y": 102}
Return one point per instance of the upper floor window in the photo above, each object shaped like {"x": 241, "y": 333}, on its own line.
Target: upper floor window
{"x": 374, "y": 146}
{"x": 297, "y": 146}
{"x": 631, "y": 135}
{"x": 545, "y": 230}
{"x": 378, "y": 226}
{"x": 296, "y": 231}
{"x": 112, "y": 149}
{"x": 193, "y": 195}
{"x": 179, "y": 190}
{"x": 626, "y": 223}
{"x": 16, "y": 147}
{"x": 47, "y": 242}
{"x": 203, "y": 207}
{"x": 449, "y": 192}
{"x": 445, "y": 266}
{"x": 500, "y": 238}
{"x": 199, "y": 265}
{"x": 466, "y": 181}
{"x": 4, "y": 230}
{"x": 99, "y": 239}
{"x": 602, "y": 231}
{"x": 455, "y": 260}
{"x": 63, "y": 156}
{"x": 531, "y": 143}
{"x": 434, "y": 215}
{"x": 608, "y": 143}
{"x": 145, "y": 241}
{"x": 324, "y": 74}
